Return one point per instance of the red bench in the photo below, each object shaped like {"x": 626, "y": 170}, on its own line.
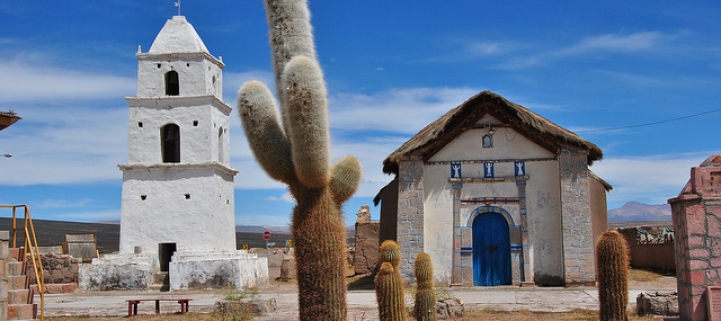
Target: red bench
{"x": 133, "y": 304}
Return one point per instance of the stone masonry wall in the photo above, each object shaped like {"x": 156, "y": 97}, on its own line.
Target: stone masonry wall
{"x": 410, "y": 213}
{"x": 57, "y": 268}
{"x": 4, "y": 259}
{"x": 697, "y": 224}
{"x": 578, "y": 242}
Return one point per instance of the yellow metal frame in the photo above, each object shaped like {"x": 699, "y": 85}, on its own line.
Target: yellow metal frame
{"x": 30, "y": 243}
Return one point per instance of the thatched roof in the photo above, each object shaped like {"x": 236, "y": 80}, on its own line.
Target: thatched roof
{"x": 536, "y": 128}
{"x": 7, "y": 118}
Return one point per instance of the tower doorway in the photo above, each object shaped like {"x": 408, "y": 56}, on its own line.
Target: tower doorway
{"x": 165, "y": 253}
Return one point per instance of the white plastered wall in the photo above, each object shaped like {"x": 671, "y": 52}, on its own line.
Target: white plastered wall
{"x": 201, "y": 221}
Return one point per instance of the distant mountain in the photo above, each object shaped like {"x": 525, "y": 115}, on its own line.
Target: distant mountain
{"x": 637, "y": 212}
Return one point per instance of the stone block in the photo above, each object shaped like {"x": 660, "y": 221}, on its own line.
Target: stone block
{"x": 657, "y": 303}
{"x": 217, "y": 269}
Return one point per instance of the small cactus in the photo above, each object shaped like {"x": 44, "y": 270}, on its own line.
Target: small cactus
{"x": 425, "y": 308}
{"x": 389, "y": 293}
{"x": 390, "y": 252}
{"x": 612, "y": 274}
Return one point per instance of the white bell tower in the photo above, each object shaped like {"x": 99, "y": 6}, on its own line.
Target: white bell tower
{"x": 178, "y": 183}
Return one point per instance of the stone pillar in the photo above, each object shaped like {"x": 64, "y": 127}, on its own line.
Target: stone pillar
{"x": 410, "y": 213}
{"x": 458, "y": 227}
{"x": 525, "y": 264}
{"x": 577, "y": 227}
{"x": 697, "y": 224}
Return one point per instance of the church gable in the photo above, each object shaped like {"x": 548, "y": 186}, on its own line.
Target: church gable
{"x": 490, "y": 139}
{"x": 431, "y": 139}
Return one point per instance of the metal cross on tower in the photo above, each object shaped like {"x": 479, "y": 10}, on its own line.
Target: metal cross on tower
{"x": 177, "y": 4}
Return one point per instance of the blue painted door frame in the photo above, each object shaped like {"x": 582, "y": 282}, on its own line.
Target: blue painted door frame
{"x": 491, "y": 250}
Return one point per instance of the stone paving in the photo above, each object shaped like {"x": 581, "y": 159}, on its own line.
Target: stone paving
{"x": 361, "y": 303}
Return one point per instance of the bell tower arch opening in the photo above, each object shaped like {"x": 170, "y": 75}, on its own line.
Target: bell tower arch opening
{"x": 170, "y": 143}
{"x": 172, "y": 84}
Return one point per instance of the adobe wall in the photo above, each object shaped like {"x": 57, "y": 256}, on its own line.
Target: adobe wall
{"x": 660, "y": 254}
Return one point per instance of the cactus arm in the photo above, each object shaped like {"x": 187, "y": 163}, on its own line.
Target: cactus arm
{"x": 345, "y": 178}
{"x": 265, "y": 137}
{"x": 291, "y": 34}
{"x": 307, "y": 119}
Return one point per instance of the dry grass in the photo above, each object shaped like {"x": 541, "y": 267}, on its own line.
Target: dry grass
{"x": 645, "y": 275}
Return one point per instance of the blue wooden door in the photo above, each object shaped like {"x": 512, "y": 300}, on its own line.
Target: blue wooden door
{"x": 491, "y": 250}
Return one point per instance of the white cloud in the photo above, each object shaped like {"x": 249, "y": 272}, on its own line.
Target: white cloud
{"x": 56, "y": 203}
{"x": 648, "y": 179}
{"x": 65, "y": 145}
{"x": 636, "y": 42}
{"x": 22, "y": 81}
{"x": 404, "y": 111}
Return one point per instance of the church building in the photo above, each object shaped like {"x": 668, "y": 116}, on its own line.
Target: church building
{"x": 496, "y": 195}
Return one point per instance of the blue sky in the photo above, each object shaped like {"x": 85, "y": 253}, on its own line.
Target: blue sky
{"x": 391, "y": 68}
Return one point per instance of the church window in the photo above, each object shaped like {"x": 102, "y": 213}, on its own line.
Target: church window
{"x": 487, "y": 141}
{"x": 172, "y": 85}
{"x": 195, "y": 123}
{"x": 187, "y": 64}
{"x": 158, "y": 66}
{"x": 140, "y": 124}
{"x": 170, "y": 143}
{"x": 187, "y": 196}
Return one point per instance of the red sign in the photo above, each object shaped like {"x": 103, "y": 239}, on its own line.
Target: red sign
{"x": 266, "y": 235}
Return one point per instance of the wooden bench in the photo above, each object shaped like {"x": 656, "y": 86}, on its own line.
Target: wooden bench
{"x": 133, "y": 304}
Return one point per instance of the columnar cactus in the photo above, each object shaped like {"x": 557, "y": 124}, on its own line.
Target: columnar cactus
{"x": 389, "y": 284}
{"x": 296, "y": 150}
{"x": 425, "y": 308}
{"x": 612, "y": 273}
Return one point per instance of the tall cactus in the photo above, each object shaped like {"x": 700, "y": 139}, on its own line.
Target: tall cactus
{"x": 296, "y": 150}
{"x": 612, "y": 273}
{"x": 425, "y": 308}
{"x": 389, "y": 284}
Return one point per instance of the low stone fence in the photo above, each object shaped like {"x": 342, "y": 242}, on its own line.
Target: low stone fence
{"x": 60, "y": 273}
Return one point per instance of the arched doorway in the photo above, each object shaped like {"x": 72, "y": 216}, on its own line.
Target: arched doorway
{"x": 491, "y": 250}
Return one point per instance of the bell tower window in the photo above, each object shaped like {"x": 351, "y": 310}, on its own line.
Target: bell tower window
{"x": 172, "y": 85}
{"x": 170, "y": 143}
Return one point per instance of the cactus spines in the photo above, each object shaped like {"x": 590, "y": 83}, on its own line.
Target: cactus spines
{"x": 390, "y": 252}
{"x": 389, "y": 293}
{"x": 295, "y": 149}
{"x": 425, "y": 308}
{"x": 307, "y": 118}
{"x": 612, "y": 273}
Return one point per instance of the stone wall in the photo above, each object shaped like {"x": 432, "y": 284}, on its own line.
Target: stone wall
{"x": 57, "y": 269}
{"x": 410, "y": 213}
{"x": 697, "y": 224}
{"x": 4, "y": 259}
{"x": 578, "y": 242}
